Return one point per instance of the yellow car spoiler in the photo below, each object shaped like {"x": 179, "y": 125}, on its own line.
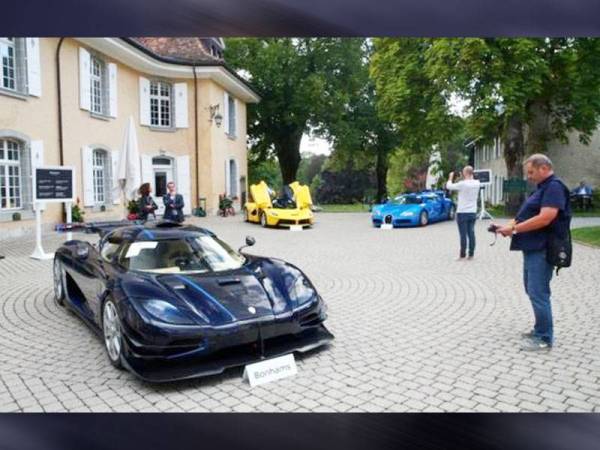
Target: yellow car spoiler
{"x": 301, "y": 194}
{"x": 260, "y": 195}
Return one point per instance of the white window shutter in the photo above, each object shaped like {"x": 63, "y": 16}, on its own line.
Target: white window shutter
{"x": 226, "y": 112}
{"x": 87, "y": 175}
{"x": 183, "y": 182}
{"x": 227, "y": 178}
{"x": 85, "y": 91}
{"x": 34, "y": 79}
{"x": 237, "y": 118}
{"x": 37, "y": 160}
{"x": 144, "y": 101}
{"x": 37, "y": 154}
{"x": 147, "y": 172}
{"x": 181, "y": 105}
{"x": 112, "y": 90}
{"x": 116, "y": 191}
{"x": 234, "y": 179}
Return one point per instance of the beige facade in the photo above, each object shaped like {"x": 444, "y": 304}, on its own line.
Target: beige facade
{"x": 92, "y": 141}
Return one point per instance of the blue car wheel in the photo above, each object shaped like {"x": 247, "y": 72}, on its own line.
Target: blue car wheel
{"x": 423, "y": 218}
{"x": 452, "y": 212}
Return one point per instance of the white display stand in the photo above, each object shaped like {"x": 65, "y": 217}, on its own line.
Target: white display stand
{"x": 47, "y": 192}
{"x": 485, "y": 178}
{"x": 38, "y": 252}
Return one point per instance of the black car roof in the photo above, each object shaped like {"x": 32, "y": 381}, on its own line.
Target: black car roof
{"x": 151, "y": 231}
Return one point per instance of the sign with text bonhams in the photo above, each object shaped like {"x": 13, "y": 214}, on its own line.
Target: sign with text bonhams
{"x": 54, "y": 184}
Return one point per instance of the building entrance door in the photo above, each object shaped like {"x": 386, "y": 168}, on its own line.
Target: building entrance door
{"x": 163, "y": 174}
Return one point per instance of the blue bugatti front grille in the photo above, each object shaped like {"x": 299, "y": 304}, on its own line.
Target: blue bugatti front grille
{"x": 401, "y": 221}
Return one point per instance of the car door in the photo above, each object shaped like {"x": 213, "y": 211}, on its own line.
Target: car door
{"x": 84, "y": 275}
{"x": 104, "y": 270}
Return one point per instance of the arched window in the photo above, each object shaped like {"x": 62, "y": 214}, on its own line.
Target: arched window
{"x": 11, "y": 174}
{"x": 101, "y": 177}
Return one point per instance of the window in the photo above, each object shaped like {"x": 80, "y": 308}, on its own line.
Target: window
{"x": 160, "y": 104}
{"x": 232, "y": 114}
{"x": 10, "y": 175}
{"x": 98, "y": 85}
{"x": 7, "y": 49}
{"x": 100, "y": 176}
{"x": 13, "y": 76}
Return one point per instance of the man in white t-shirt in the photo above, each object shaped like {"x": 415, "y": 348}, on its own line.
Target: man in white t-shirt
{"x": 466, "y": 211}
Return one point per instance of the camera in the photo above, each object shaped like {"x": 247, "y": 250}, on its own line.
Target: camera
{"x": 493, "y": 228}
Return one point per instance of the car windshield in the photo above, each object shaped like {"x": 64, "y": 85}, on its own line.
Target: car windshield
{"x": 407, "y": 200}
{"x": 188, "y": 255}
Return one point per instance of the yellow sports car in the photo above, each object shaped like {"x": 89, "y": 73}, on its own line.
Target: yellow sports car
{"x": 292, "y": 208}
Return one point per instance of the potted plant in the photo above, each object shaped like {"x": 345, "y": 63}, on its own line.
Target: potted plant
{"x": 132, "y": 209}
{"x": 77, "y": 212}
{"x": 16, "y": 216}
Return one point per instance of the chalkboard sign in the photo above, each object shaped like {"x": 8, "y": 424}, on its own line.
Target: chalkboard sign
{"x": 484, "y": 176}
{"x": 54, "y": 184}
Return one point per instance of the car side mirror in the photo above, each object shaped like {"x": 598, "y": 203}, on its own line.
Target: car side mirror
{"x": 82, "y": 251}
{"x": 250, "y": 241}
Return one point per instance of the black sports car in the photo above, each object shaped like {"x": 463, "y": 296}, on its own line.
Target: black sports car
{"x": 174, "y": 302}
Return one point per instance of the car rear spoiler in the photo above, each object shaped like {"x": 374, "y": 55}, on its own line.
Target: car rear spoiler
{"x": 103, "y": 228}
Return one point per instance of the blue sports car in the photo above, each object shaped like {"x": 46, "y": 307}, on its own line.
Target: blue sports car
{"x": 414, "y": 210}
{"x": 173, "y": 302}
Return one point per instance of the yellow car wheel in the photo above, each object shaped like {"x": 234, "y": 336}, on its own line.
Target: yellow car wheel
{"x": 263, "y": 219}
{"x": 246, "y": 215}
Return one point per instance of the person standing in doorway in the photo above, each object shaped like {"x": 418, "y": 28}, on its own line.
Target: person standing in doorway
{"x": 173, "y": 204}
{"x": 466, "y": 211}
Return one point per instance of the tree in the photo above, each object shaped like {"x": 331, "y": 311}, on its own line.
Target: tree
{"x": 304, "y": 83}
{"x": 527, "y": 91}
{"x": 408, "y": 98}
{"x": 310, "y": 166}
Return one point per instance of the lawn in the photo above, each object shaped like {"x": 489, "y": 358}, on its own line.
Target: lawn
{"x": 587, "y": 235}
{"x": 354, "y": 207}
{"x": 498, "y": 211}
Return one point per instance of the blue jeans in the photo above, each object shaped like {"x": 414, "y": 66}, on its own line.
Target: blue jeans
{"x": 466, "y": 229}
{"x": 537, "y": 274}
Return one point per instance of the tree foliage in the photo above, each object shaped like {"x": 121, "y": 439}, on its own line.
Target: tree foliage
{"x": 305, "y": 84}
{"x": 528, "y": 91}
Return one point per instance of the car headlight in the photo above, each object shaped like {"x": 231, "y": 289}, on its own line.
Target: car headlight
{"x": 376, "y": 213}
{"x": 407, "y": 213}
{"x": 164, "y": 311}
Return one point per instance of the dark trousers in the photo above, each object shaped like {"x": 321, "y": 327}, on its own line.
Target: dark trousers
{"x": 466, "y": 229}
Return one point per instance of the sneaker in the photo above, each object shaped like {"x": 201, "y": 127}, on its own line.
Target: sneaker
{"x": 536, "y": 345}
{"x": 460, "y": 258}
{"x": 528, "y": 335}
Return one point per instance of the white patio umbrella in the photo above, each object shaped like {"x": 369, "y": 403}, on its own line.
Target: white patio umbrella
{"x": 128, "y": 170}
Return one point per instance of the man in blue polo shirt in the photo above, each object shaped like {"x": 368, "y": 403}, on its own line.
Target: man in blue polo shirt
{"x": 544, "y": 211}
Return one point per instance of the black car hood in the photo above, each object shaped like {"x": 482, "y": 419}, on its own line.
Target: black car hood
{"x": 224, "y": 297}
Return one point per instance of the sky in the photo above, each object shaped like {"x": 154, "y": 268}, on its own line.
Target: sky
{"x": 314, "y": 145}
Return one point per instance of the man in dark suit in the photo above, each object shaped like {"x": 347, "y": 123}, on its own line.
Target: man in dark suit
{"x": 173, "y": 204}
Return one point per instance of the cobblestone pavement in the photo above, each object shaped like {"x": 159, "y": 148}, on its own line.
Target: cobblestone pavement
{"x": 415, "y": 331}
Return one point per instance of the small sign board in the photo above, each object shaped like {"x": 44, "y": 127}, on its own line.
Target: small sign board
{"x": 270, "y": 370}
{"x": 295, "y": 227}
{"x": 53, "y": 184}
{"x": 387, "y": 226}
{"x": 484, "y": 176}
